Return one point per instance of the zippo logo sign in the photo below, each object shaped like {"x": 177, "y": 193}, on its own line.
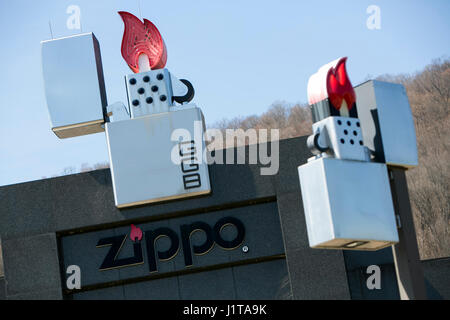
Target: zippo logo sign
{"x": 213, "y": 236}
{"x": 173, "y": 246}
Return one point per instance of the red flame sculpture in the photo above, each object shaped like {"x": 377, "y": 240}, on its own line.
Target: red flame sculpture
{"x": 332, "y": 82}
{"x": 339, "y": 86}
{"x": 142, "y": 38}
{"x": 136, "y": 233}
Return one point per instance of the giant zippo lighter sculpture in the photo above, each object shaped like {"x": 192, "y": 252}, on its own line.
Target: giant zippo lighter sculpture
{"x": 147, "y": 163}
{"x": 357, "y": 134}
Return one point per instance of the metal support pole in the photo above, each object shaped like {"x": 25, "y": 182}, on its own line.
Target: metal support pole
{"x": 410, "y": 278}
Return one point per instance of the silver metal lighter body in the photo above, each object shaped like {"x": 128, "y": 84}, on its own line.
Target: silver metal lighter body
{"x": 149, "y": 162}
{"x": 158, "y": 157}
{"x": 347, "y": 204}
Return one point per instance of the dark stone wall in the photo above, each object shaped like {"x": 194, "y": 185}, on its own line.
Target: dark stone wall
{"x": 2, "y": 289}
{"x": 252, "y": 281}
{"x": 437, "y": 278}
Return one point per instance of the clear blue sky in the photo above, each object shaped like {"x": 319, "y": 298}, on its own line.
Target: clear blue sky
{"x": 241, "y": 57}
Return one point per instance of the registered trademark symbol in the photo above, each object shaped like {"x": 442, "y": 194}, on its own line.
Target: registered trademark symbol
{"x": 245, "y": 249}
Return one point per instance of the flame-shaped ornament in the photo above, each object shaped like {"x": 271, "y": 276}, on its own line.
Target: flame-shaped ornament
{"x": 332, "y": 82}
{"x": 135, "y": 233}
{"x": 142, "y": 38}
